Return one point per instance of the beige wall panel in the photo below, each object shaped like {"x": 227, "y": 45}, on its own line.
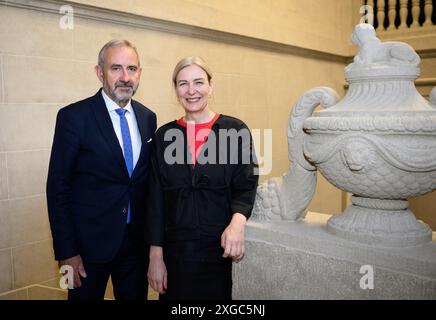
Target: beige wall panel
{"x": 1, "y": 94}
{"x": 28, "y": 220}
{"x": 2, "y": 130}
{"x": 2, "y": 115}
{"x": 155, "y": 87}
{"x": 356, "y": 4}
{"x": 35, "y": 124}
{"x": 5, "y": 225}
{"x": 53, "y": 283}
{"x": 248, "y": 90}
{"x": 157, "y": 49}
{"x": 21, "y": 294}
{"x": 3, "y": 177}
{"x": 27, "y": 172}
{"x": 233, "y": 60}
{"x": 253, "y": 116}
{"x": 90, "y": 36}
{"x": 84, "y": 82}
{"x": 424, "y": 208}
{"x": 46, "y": 83}
{"x": 313, "y": 24}
{"x": 34, "y": 263}
{"x": 6, "y": 280}
{"x": 224, "y": 89}
{"x": 163, "y": 50}
{"x": 428, "y": 67}
{"x": 109, "y": 293}
{"x": 45, "y": 293}
{"x": 41, "y": 32}
{"x": 234, "y": 90}
{"x": 167, "y": 112}
{"x": 51, "y": 80}
{"x": 152, "y": 295}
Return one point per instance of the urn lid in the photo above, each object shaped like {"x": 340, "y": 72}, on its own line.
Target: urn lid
{"x": 382, "y": 93}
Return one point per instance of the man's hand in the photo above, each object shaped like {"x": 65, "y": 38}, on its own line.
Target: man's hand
{"x": 233, "y": 239}
{"x": 157, "y": 271}
{"x": 78, "y": 269}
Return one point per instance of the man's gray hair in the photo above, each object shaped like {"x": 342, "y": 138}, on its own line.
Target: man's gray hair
{"x": 114, "y": 43}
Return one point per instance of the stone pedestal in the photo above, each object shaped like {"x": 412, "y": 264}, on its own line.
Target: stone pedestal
{"x": 302, "y": 260}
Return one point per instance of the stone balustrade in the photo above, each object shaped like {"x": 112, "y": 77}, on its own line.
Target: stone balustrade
{"x": 387, "y": 15}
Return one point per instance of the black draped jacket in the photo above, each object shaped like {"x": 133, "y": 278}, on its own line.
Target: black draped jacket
{"x": 185, "y": 201}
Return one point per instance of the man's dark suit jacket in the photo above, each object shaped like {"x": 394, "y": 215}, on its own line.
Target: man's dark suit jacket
{"x": 88, "y": 185}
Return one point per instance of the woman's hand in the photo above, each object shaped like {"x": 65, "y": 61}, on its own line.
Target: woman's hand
{"x": 233, "y": 238}
{"x": 157, "y": 271}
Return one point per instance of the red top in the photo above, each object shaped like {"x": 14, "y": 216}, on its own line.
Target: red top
{"x": 197, "y": 134}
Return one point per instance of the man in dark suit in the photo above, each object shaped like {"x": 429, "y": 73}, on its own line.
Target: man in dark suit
{"x": 96, "y": 184}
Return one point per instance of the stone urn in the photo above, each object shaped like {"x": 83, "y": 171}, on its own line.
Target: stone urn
{"x": 378, "y": 143}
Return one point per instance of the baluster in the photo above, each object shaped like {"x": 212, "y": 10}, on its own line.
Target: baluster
{"x": 428, "y": 9}
{"x": 391, "y": 14}
{"x": 415, "y": 13}
{"x": 381, "y": 14}
{"x": 403, "y": 14}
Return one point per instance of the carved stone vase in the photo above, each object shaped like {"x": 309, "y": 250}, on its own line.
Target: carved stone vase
{"x": 378, "y": 143}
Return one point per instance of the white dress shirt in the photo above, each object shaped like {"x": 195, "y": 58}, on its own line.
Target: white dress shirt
{"x": 135, "y": 136}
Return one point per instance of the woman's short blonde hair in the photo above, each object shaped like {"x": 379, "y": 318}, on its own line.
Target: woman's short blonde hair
{"x": 188, "y": 61}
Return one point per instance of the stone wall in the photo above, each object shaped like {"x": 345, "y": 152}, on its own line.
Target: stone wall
{"x": 44, "y": 67}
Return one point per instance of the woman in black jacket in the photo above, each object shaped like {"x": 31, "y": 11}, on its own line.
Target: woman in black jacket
{"x": 203, "y": 186}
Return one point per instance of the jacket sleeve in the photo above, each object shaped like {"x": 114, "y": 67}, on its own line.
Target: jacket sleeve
{"x": 244, "y": 178}
{"x": 155, "y": 212}
{"x": 60, "y": 174}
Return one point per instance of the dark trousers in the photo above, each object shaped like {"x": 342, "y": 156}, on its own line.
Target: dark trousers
{"x": 128, "y": 271}
{"x": 197, "y": 271}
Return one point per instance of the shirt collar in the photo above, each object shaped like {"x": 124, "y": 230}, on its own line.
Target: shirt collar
{"x": 112, "y": 106}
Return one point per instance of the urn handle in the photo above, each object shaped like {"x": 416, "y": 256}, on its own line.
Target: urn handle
{"x": 287, "y": 197}
{"x": 303, "y": 109}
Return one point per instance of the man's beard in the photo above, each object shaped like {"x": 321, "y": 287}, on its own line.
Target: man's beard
{"x": 125, "y": 96}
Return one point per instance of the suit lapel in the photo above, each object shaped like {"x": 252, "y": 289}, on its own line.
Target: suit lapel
{"x": 141, "y": 120}
{"x": 107, "y": 129}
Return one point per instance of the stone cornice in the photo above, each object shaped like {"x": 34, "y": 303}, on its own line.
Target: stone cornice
{"x": 148, "y": 23}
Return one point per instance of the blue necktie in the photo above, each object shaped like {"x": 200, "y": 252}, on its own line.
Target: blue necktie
{"x": 127, "y": 146}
